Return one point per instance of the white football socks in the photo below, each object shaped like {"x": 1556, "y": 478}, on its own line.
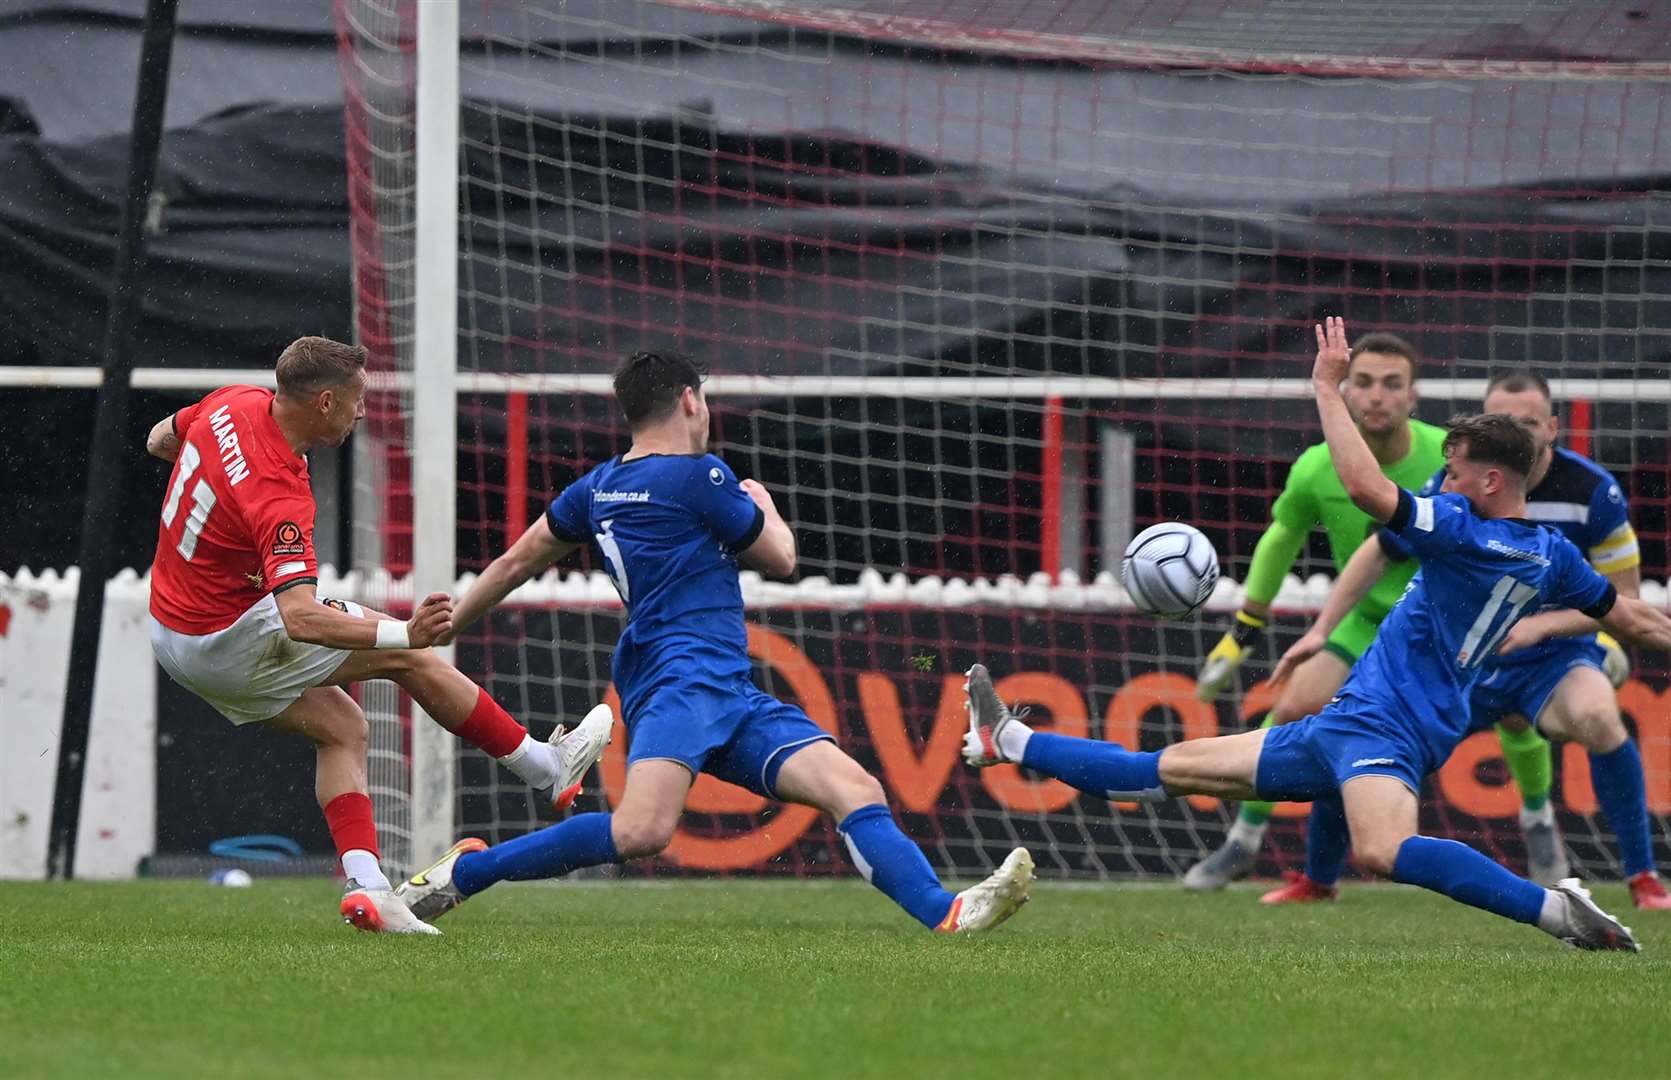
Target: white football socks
{"x": 361, "y": 866}
{"x": 1553, "y": 918}
{"x": 535, "y": 763}
{"x": 1012, "y": 740}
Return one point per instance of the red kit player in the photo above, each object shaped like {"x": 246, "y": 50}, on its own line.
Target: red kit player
{"x": 235, "y": 619}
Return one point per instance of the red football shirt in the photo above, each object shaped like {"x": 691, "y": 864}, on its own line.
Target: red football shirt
{"x": 237, "y": 519}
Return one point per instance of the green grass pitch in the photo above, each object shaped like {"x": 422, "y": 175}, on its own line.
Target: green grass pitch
{"x": 694, "y": 979}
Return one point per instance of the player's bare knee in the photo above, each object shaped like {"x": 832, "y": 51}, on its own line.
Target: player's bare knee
{"x": 405, "y": 665}
{"x": 1376, "y": 851}
{"x": 638, "y": 838}
{"x": 345, "y": 727}
{"x": 856, "y": 790}
{"x": 1377, "y": 857}
{"x": 1598, "y": 728}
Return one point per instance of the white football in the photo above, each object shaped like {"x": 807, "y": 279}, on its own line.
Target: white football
{"x": 1170, "y": 570}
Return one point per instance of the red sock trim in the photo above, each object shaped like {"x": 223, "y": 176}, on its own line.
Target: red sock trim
{"x": 491, "y": 728}
{"x": 352, "y": 827}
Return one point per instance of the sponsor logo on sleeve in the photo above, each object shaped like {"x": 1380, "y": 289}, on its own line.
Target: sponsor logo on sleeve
{"x": 716, "y": 477}
{"x": 284, "y": 569}
{"x": 287, "y": 539}
{"x": 338, "y": 604}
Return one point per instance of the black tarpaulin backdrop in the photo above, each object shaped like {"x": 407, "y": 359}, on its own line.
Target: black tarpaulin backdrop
{"x": 878, "y": 261}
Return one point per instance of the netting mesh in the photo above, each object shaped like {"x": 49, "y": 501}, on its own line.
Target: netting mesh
{"x": 378, "y": 72}
{"x": 835, "y": 198}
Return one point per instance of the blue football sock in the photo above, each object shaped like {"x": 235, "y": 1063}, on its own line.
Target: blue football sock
{"x": 1326, "y": 841}
{"x": 582, "y": 840}
{"x": 1617, "y": 779}
{"x": 892, "y": 862}
{"x": 1106, "y": 770}
{"x": 1463, "y": 874}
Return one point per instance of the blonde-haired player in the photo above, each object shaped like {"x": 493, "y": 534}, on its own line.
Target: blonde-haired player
{"x": 235, "y": 619}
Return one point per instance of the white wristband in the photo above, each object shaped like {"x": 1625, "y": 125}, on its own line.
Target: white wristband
{"x": 391, "y": 634}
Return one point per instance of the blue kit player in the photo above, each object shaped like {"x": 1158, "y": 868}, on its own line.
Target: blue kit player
{"x": 672, "y": 522}
{"x": 1552, "y": 669}
{"x": 1405, "y": 706}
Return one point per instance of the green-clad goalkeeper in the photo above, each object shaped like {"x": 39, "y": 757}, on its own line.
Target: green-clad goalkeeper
{"x": 1381, "y": 393}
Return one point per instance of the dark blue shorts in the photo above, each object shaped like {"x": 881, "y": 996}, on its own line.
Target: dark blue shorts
{"x": 1314, "y": 757}
{"x": 736, "y": 732}
{"x": 1527, "y": 688}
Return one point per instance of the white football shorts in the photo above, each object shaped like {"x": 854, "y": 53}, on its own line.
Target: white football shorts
{"x": 251, "y": 671}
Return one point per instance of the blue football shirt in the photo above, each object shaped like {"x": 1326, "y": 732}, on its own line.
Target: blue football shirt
{"x": 1580, "y": 500}
{"x": 669, "y": 527}
{"x": 1478, "y": 576}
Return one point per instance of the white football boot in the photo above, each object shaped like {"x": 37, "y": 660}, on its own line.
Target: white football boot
{"x": 430, "y": 892}
{"x": 577, "y": 751}
{"x": 379, "y": 911}
{"x": 1589, "y": 927}
{"x": 984, "y": 906}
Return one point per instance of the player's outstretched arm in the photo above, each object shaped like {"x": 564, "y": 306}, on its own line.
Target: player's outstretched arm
{"x": 536, "y": 549}
{"x": 1566, "y": 622}
{"x": 307, "y": 620}
{"x": 773, "y": 551}
{"x": 1639, "y": 621}
{"x": 1357, "y": 577}
{"x": 1359, "y": 472}
{"x": 162, "y": 442}
{"x": 1569, "y": 622}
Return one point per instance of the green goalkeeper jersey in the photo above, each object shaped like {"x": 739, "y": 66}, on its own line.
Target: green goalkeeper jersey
{"x": 1314, "y": 495}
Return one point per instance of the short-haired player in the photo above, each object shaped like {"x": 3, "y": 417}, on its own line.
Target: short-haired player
{"x": 235, "y": 618}
{"x": 1552, "y": 667}
{"x": 672, "y": 523}
{"x": 1405, "y": 706}
{"x": 1380, "y": 392}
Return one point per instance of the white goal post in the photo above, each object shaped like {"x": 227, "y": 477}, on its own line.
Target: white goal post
{"x": 434, "y": 403}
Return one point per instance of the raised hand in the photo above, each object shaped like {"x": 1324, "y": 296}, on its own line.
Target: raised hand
{"x": 432, "y": 622}
{"x": 1333, "y": 354}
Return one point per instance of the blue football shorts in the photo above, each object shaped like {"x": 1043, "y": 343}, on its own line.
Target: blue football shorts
{"x": 732, "y": 730}
{"x": 1526, "y": 688}
{"x": 1314, "y": 757}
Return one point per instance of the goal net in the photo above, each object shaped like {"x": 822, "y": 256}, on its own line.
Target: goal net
{"x": 985, "y": 288}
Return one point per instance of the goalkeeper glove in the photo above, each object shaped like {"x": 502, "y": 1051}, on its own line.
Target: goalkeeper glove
{"x": 1616, "y": 664}
{"x": 1228, "y": 655}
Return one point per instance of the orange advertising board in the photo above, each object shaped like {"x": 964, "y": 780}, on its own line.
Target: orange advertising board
{"x": 907, "y": 725}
